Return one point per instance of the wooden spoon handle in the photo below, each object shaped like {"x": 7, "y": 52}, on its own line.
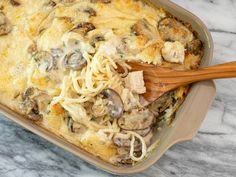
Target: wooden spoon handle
{"x": 160, "y": 80}
{"x": 227, "y": 70}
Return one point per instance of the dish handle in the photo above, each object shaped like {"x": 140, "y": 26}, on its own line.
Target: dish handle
{"x": 190, "y": 120}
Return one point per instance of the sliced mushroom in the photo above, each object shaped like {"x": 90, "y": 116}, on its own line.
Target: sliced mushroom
{"x": 101, "y": 1}
{"x": 50, "y": 3}
{"x": 143, "y": 28}
{"x": 90, "y": 11}
{"x": 29, "y": 106}
{"x": 139, "y": 27}
{"x": 44, "y": 61}
{"x": 95, "y": 39}
{"x": 32, "y": 49}
{"x": 115, "y": 103}
{"x": 144, "y": 132}
{"x": 136, "y": 120}
{"x": 75, "y": 61}
{"x": 33, "y": 101}
{"x": 28, "y": 93}
{"x": 124, "y": 159}
{"x": 125, "y": 142}
{"x": 172, "y": 30}
{"x": 75, "y": 127}
{"x": 5, "y": 26}
{"x": 15, "y": 2}
{"x": 70, "y": 123}
{"x": 195, "y": 47}
{"x": 32, "y": 109}
{"x": 79, "y": 128}
{"x": 83, "y": 28}
{"x": 68, "y": 1}
{"x": 162, "y": 103}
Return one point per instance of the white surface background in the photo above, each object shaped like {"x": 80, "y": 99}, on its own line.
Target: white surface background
{"x": 211, "y": 153}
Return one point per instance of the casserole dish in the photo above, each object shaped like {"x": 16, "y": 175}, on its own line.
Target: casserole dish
{"x": 166, "y": 136}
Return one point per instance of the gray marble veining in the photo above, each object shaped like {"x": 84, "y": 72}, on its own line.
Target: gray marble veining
{"x": 211, "y": 153}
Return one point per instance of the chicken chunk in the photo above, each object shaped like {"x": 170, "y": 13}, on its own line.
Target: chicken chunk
{"x": 135, "y": 82}
{"x": 173, "y": 52}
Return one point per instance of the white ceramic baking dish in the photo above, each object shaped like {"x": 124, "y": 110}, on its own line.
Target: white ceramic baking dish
{"x": 188, "y": 118}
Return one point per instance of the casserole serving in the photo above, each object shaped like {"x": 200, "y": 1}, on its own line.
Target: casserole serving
{"x": 66, "y": 98}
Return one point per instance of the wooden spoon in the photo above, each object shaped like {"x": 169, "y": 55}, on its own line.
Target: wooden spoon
{"x": 161, "y": 80}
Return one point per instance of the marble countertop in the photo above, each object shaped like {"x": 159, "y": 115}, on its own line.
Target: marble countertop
{"x": 211, "y": 153}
